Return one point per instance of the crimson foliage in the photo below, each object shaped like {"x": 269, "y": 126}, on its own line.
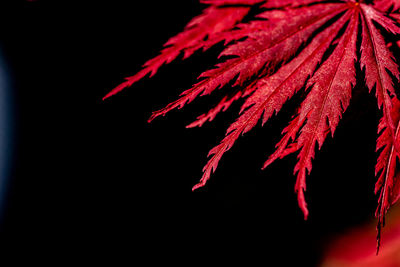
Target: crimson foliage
{"x": 289, "y": 46}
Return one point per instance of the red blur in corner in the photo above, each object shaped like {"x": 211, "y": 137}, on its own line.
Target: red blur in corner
{"x": 357, "y": 247}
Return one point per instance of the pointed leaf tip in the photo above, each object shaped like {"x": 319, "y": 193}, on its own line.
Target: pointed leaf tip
{"x": 197, "y": 186}
{"x": 302, "y": 203}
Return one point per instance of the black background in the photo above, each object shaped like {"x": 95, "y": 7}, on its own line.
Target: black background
{"x": 94, "y": 178}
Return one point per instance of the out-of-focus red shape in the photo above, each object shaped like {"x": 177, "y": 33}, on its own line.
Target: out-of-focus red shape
{"x": 357, "y": 248}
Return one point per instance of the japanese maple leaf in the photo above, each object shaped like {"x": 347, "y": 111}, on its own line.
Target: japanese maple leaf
{"x": 292, "y": 46}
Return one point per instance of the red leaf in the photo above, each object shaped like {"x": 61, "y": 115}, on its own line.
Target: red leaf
{"x": 388, "y": 183}
{"x": 288, "y": 46}
{"x": 377, "y": 59}
{"x": 327, "y": 100}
